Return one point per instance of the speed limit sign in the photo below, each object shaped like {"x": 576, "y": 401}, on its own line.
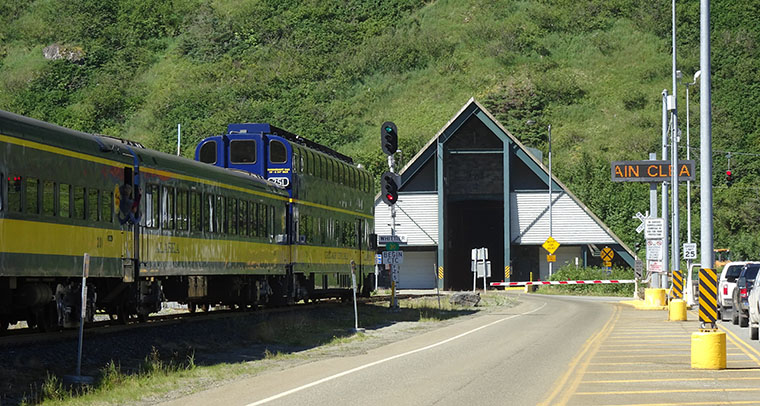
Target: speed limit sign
{"x": 690, "y": 250}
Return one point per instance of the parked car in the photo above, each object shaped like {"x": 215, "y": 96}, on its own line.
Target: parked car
{"x": 726, "y": 285}
{"x": 744, "y": 284}
{"x": 754, "y": 310}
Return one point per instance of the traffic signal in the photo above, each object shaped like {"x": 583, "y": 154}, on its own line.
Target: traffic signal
{"x": 729, "y": 178}
{"x": 389, "y": 186}
{"x": 389, "y": 137}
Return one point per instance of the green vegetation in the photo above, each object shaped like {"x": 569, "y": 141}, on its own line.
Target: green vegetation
{"x": 333, "y": 71}
{"x": 584, "y": 274}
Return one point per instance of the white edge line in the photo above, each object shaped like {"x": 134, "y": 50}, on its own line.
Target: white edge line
{"x": 378, "y": 362}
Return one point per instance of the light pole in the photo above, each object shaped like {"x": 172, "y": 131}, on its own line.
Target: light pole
{"x": 688, "y": 156}
{"x": 550, "y": 191}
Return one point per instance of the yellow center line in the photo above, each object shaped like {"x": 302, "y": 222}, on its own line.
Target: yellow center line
{"x": 734, "y": 378}
{"x": 560, "y": 383}
{"x": 743, "y": 346}
{"x": 658, "y": 391}
{"x": 672, "y": 371}
{"x": 711, "y": 403}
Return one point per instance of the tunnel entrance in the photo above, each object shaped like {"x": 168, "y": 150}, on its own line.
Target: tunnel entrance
{"x": 473, "y": 224}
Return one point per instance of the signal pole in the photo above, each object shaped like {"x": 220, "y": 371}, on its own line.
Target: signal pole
{"x": 389, "y": 183}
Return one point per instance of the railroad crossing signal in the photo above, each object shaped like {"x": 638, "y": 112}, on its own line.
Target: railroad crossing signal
{"x": 550, "y": 245}
{"x": 729, "y": 178}
{"x": 389, "y": 137}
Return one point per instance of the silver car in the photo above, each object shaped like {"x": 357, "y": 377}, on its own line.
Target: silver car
{"x": 754, "y": 310}
{"x": 726, "y": 285}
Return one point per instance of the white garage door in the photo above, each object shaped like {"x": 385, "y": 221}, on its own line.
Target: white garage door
{"x": 417, "y": 271}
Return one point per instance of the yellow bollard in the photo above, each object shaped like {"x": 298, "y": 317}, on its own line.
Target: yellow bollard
{"x": 708, "y": 350}
{"x": 677, "y": 310}
{"x": 654, "y": 297}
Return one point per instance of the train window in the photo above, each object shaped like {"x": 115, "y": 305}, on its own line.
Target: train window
{"x": 208, "y": 152}
{"x": 92, "y": 204}
{"x": 311, "y": 162}
{"x": 78, "y": 202}
{"x": 167, "y": 208}
{"x": 106, "y": 206}
{"x": 243, "y": 151}
{"x": 270, "y": 222}
{"x": 232, "y": 206}
{"x": 196, "y": 211}
{"x": 253, "y": 219}
{"x": 48, "y": 198}
{"x": 323, "y": 165}
{"x": 243, "y": 218}
{"x": 221, "y": 215}
{"x": 182, "y": 216}
{"x": 32, "y": 194}
{"x": 208, "y": 214}
{"x": 14, "y": 193}
{"x": 278, "y": 154}
{"x": 152, "y": 206}
{"x": 64, "y": 200}
{"x": 262, "y": 220}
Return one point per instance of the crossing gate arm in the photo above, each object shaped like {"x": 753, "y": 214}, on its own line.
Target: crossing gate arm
{"x": 593, "y": 282}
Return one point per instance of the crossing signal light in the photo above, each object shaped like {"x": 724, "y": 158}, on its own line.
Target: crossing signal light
{"x": 389, "y": 186}
{"x": 389, "y": 137}
{"x": 729, "y": 178}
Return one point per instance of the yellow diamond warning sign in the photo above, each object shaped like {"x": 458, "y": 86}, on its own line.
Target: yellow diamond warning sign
{"x": 550, "y": 245}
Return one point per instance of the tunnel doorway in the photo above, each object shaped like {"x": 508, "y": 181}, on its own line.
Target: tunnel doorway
{"x": 473, "y": 224}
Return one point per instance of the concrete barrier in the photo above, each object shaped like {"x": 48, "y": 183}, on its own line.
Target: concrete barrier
{"x": 655, "y": 297}
{"x": 708, "y": 350}
{"x": 677, "y": 310}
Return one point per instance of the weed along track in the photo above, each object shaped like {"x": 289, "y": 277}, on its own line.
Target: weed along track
{"x": 174, "y": 345}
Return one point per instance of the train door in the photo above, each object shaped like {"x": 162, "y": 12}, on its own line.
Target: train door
{"x": 126, "y": 195}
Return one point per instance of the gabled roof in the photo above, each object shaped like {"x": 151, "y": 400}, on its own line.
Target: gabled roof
{"x": 473, "y": 108}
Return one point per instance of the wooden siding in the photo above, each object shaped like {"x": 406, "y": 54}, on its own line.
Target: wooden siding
{"x": 423, "y": 208}
{"x": 571, "y": 224}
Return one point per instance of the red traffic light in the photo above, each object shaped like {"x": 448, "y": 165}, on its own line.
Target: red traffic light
{"x": 728, "y": 173}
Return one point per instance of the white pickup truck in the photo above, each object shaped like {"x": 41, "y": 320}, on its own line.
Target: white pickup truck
{"x": 726, "y": 285}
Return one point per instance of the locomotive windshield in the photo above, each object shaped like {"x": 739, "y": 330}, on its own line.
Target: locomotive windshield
{"x": 242, "y": 151}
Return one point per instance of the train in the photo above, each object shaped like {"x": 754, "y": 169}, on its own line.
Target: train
{"x": 260, "y": 217}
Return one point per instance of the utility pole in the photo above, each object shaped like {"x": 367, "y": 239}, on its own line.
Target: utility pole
{"x": 676, "y": 257}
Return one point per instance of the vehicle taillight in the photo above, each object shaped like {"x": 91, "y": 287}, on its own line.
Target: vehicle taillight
{"x": 743, "y": 292}
{"x": 725, "y": 290}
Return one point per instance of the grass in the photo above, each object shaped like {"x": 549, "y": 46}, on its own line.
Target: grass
{"x": 291, "y": 339}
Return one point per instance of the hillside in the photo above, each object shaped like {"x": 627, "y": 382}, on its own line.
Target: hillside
{"x": 333, "y": 71}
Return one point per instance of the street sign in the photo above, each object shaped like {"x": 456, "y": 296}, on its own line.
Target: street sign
{"x": 640, "y": 216}
{"x": 551, "y": 258}
{"x": 393, "y": 257}
{"x": 607, "y": 264}
{"x": 655, "y": 266}
{"x": 391, "y": 246}
{"x": 550, "y": 245}
{"x": 654, "y": 250}
{"x": 690, "y": 250}
{"x": 607, "y": 254}
{"x": 385, "y": 239}
{"x": 655, "y": 229}
{"x": 638, "y": 268}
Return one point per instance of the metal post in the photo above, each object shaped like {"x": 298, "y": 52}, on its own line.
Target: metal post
{"x": 688, "y": 190}
{"x": 353, "y": 288}
{"x": 675, "y": 240}
{"x": 664, "y": 200}
{"x": 654, "y": 282}
{"x": 394, "y": 267}
{"x": 705, "y": 147}
{"x": 179, "y": 136}
{"x": 78, "y": 378}
{"x": 550, "y": 191}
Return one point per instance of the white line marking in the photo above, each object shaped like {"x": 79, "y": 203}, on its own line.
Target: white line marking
{"x": 378, "y": 362}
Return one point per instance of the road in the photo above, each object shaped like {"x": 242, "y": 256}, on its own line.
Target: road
{"x": 495, "y": 359}
{"x": 549, "y": 350}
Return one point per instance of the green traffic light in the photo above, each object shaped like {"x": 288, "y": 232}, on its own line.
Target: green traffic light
{"x": 388, "y": 129}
